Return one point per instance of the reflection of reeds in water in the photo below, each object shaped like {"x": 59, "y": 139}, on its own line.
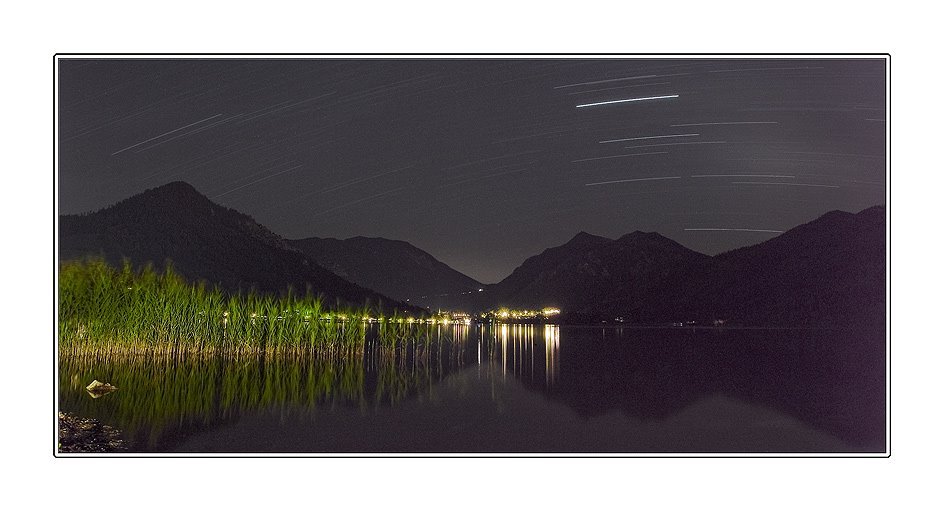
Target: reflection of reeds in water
{"x": 162, "y": 394}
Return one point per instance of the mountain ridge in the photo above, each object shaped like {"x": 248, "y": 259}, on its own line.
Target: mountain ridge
{"x": 394, "y": 267}
{"x": 827, "y": 272}
{"x": 204, "y": 241}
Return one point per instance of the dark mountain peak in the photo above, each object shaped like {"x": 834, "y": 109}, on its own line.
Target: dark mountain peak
{"x": 833, "y": 215}
{"x": 838, "y": 219}
{"x": 652, "y": 241}
{"x": 205, "y": 241}
{"x": 177, "y": 200}
{"x": 873, "y": 212}
{"x": 827, "y": 272}
{"x": 394, "y": 267}
{"x": 178, "y": 191}
{"x": 363, "y": 243}
{"x": 370, "y": 238}
{"x": 651, "y": 236}
{"x": 584, "y": 238}
{"x": 180, "y": 186}
{"x": 381, "y": 241}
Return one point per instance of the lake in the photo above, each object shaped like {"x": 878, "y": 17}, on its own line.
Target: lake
{"x": 505, "y": 389}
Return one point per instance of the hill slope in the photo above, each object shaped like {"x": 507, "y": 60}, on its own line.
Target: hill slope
{"x": 205, "y": 241}
{"x": 828, "y": 272}
{"x": 589, "y": 272}
{"x": 392, "y": 267}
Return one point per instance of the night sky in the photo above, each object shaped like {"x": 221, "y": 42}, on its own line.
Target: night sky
{"x": 483, "y": 163}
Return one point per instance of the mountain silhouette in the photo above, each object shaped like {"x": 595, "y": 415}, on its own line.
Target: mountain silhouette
{"x": 204, "y": 241}
{"x": 587, "y": 272}
{"x": 392, "y": 267}
{"x": 828, "y": 272}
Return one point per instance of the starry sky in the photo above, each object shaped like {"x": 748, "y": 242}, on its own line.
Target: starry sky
{"x": 484, "y": 162}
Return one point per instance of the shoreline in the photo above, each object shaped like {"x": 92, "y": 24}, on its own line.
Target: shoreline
{"x": 87, "y": 435}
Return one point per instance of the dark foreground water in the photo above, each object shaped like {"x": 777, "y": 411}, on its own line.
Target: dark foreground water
{"x": 514, "y": 388}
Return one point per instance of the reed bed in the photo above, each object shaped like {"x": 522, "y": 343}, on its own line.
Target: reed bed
{"x": 107, "y": 310}
{"x": 161, "y": 395}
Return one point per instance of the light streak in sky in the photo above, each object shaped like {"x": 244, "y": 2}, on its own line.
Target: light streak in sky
{"x": 256, "y": 181}
{"x": 341, "y": 186}
{"x": 725, "y": 123}
{"x": 618, "y": 156}
{"x": 362, "y": 200}
{"x": 735, "y": 229}
{"x": 780, "y": 183}
{"x": 650, "y": 137}
{"x": 830, "y": 154}
{"x": 618, "y": 80}
{"x": 277, "y": 108}
{"x": 164, "y": 134}
{"x": 646, "y": 98}
{"x": 185, "y": 134}
{"x": 740, "y": 176}
{"x": 613, "y": 88}
{"x": 676, "y": 144}
{"x": 635, "y": 179}
{"x": 362, "y": 180}
{"x": 792, "y": 160}
{"x": 763, "y": 69}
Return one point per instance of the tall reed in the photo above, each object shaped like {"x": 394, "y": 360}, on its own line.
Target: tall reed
{"x": 118, "y": 310}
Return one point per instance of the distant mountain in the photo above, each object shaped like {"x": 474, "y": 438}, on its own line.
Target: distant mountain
{"x": 204, "y": 241}
{"x": 589, "y": 272}
{"x": 392, "y": 267}
{"x": 828, "y": 272}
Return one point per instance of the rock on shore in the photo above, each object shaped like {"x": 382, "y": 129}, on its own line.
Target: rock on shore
{"x": 86, "y": 435}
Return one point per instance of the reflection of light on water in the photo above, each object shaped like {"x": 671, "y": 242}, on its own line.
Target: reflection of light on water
{"x": 504, "y": 338}
{"x": 479, "y": 349}
{"x": 513, "y": 347}
{"x": 551, "y": 353}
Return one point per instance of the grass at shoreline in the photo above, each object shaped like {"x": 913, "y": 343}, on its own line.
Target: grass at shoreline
{"x": 108, "y": 310}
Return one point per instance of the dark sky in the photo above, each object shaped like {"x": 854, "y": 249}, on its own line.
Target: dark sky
{"x": 484, "y": 162}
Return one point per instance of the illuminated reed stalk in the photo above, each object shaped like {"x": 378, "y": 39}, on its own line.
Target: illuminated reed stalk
{"x": 107, "y": 310}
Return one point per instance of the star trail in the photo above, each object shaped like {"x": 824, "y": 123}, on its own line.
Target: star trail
{"x": 483, "y": 162}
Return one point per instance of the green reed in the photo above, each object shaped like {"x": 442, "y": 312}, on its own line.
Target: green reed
{"x": 160, "y": 394}
{"x": 104, "y": 309}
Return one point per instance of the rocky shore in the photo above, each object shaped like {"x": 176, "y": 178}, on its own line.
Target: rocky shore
{"x": 86, "y": 435}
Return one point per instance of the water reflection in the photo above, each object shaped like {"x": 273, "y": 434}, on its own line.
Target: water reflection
{"x": 162, "y": 398}
{"x": 551, "y": 354}
{"x": 512, "y": 348}
{"x": 833, "y": 382}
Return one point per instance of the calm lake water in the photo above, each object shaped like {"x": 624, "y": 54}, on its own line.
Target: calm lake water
{"x": 510, "y": 388}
